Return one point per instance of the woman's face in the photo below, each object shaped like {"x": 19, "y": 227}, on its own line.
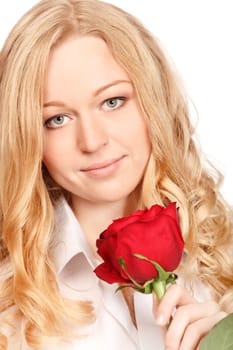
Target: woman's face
{"x": 96, "y": 144}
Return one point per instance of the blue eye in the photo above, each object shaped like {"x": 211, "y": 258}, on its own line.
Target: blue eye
{"x": 114, "y": 103}
{"x": 56, "y": 121}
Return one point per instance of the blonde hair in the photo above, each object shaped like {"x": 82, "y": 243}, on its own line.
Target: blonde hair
{"x": 174, "y": 173}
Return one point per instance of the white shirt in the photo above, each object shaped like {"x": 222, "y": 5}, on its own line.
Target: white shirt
{"x": 113, "y": 329}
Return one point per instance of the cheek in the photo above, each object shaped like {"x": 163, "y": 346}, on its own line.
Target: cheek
{"x": 143, "y": 152}
{"x": 142, "y": 143}
{"x": 51, "y": 162}
{"x": 60, "y": 141}
{"x": 138, "y": 144}
{"x": 140, "y": 136}
{"x": 54, "y": 151}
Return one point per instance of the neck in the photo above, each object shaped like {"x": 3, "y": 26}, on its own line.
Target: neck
{"x": 96, "y": 217}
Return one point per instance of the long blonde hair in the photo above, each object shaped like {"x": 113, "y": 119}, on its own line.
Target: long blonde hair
{"x": 175, "y": 171}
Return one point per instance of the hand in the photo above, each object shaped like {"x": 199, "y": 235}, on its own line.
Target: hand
{"x": 188, "y": 319}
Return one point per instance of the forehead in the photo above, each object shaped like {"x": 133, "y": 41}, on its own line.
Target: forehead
{"x": 87, "y": 55}
{"x": 79, "y": 66}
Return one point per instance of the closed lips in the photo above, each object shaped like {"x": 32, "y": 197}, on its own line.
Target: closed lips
{"x": 102, "y": 165}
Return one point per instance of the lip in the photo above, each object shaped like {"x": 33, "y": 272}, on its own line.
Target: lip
{"x": 103, "y": 168}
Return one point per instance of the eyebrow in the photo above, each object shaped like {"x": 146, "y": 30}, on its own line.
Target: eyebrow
{"x": 96, "y": 93}
{"x": 107, "y": 86}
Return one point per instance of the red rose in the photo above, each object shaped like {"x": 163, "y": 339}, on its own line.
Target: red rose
{"x": 153, "y": 233}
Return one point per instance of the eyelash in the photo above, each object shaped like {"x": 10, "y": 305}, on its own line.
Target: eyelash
{"x": 48, "y": 122}
{"x": 120, "y": 99}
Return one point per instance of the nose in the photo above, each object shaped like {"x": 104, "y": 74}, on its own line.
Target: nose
{"x": 92, "y": 134}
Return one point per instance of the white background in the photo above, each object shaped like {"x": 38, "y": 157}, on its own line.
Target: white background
{"x": 198, "y": 35}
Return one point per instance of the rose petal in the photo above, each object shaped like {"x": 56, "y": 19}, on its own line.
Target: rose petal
{"x": 154, "y": 233}
{"x": 106, "y": 273}
{"x": 117, "y": 224}
{"x": 151, "y": 214}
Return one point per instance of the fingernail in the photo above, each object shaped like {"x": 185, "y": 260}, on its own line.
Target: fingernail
{"x": 160, "y": 320}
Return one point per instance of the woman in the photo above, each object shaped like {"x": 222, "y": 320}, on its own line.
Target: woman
{"x": 93, "y": 127}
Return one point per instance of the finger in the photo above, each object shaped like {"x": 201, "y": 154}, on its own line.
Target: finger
{"x": 186, "y": 315}
{"x": 155, "y": 303}
{"x": 197, "y": 330}
{"x": 175, "y": 296}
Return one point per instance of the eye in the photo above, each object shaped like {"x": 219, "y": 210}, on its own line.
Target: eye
{"x": 114, "y": 103}
{"x": 57, "y": 121}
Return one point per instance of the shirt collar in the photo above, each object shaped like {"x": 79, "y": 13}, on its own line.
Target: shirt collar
{"x": 68, "y": 238}
{"x": 68, "y": 243}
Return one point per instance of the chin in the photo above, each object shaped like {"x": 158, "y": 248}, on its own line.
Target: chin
{"x": 116, "y": 196}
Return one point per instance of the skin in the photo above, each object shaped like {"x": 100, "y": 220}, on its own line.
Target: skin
{"x": 188, "y": 319}
{"x": 96, "y": 146}
{"x": 91, "y": 145}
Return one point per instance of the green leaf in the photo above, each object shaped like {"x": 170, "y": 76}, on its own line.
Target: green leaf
{"x": 123, "y": 266}
{"x": 122, "y": 286}
{"x": 159, "y": 288}
{"x": 163, "y": 275}
{"x": 157, "y": 284}
{"x": 220, "y": 337}
{"x": 122, "y": 263}
{"x": 148, "y": 287}
{"x": 172, "y": 278}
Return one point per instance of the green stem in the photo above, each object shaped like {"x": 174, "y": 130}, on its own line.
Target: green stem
{"x": 159, "y": 288}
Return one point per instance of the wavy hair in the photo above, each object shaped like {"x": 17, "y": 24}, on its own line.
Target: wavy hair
{"x": 176, "y": 171}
